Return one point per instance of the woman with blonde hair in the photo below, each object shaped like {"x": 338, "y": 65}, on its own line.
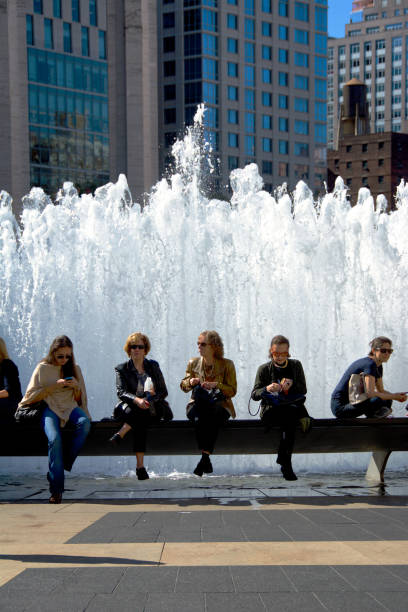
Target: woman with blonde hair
{"x": 140, "y": 388}
{"x": 212, "y": 380}
{"x": 57, "y": 380}
{"x": 10, "y": 389}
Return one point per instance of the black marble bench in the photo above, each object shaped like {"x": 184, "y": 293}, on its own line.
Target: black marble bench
{"x": 238, "y": 437}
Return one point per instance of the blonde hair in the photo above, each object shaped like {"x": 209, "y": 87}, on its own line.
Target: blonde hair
{"x": 135, "y": 338}
{"x": 213, "y": 338}
{"x": 3, "y": 350}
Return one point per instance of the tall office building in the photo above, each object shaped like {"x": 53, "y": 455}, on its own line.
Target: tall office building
{"x": 260, "y": 66}
{"x": 374, "y": 51}
{"x": 79, "y": 93}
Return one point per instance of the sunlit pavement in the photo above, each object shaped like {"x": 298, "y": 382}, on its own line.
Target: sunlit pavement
{"x": 217, "y": 543}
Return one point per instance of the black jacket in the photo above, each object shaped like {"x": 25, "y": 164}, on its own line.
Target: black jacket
{"x": 127, "y": 381}
{"x": 10, "y": 381}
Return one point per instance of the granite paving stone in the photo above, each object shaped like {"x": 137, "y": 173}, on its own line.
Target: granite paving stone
{"x": 204, "y": 580}
{"x": 222, "y": 534}
{"x": 175, "y": 602}
{"x": 98, "y": 580}
{"x": 265, "y": 533}
{"x": 233, "y": 602}
{"x": 399, "y": 570}
{"x": 61, "y": 603}
{"x": 289, "y": 602}
{"x": 394, "y": 601}
{"x": 147, "y": 579}
{"x": 351, "y": 532}
{"x": 315, "y": 578}
{"x": 368, "y": 578}
{"x": 260, "y": 579}
{"x": 307, "y": 533}
{"x": 352, "y": 601}
{"x": 135, "y": 602}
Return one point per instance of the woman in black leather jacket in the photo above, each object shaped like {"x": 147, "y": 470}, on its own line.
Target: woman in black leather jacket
{"x": 140, "y": 387}
{"x": 10, "y": 389}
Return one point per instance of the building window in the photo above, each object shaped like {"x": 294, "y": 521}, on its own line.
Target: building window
{"x": 48, "y": 34}
{"x": 250, "y": 123}
{"x": 266, "y": 28}
{"x": 301, "y": 127}
{"x": 169, "y": 93}
{"x": 210, "y": 93}
{"x": 321, "y": 19}
{"x": 249, "y": 73}
{"x": 267, "y": 122}
{"x": 232, "y": 69}
{"x": 102, "y": 44}
{"x": 320, "y": 133}
{"x": 75, "y": 11}
{"x": 284, "y": 147}
{"x": 250, "y": 53}
{"x": 169, "y": 139}
{"x": 301, "y": 11}
{"x": 301, "y": 59}
{"x": 301, "y": 149}
{"x": 266, "y": 75}
{"x": 283, "y": 124}
{"x": 93, "y": 13}
{"x": 232, "y": 22}
{"x": 57, "y": 10}
{"x": 283, "y": 9}
{"x": 283, "y": 32}
{"x": 210, "y": 20}
{"x": 169, "y": 115}
{"x": 169, "y": 44}
{"x": 210, "y": 45}
{"x": 321, "y": 44}
{"x": 283, "y": 101}
{"x": 85, "y": 41}
{"x": 364, "y": 147}
{"x": 233, "y": 162}
{"x": 321, "y": 88}
{"x": 233, "y": 140}
{"x": 301, "y": 82}
{"x": 266, "y": 52}
{"x": 267, "y": 145}
{"x": 283, "y": 169}
{"x": 38, "y": 7}
{"x": 250, "y": 99}
{"x": 320, "y": 111}
{"x": 192, "y": 92}
{"x": 29, "y": 30}
{"x": 232, "y": 116}
{"x": 210, "y": 69}
{"x": 249, "y": 29}
{"x": 380, "y": 179}
{"x": 232, "y": 92}
{"x": 67, "y": 37}
{"x": 266, "y": 166}
{"x": 283, "y": 56}
{"x": 301, "y": 36}
{"x": 249, "y": 7}
{"x": 250, "y": 145}
{"x": 192, "y": 44}
{"x": 283, "y": 79}
{"x": 320, "y": 66}
{"x": 266, "y": 98}
{"x": 169, "y": 20}
{"x": 169, "y": 69}
{"x": 232, "y": 45}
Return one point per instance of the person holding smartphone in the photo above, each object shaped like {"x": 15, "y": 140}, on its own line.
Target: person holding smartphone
{"x": 280, "y": 385}
{"x": 58, "y": 382}
{"x": 378, "y": 401}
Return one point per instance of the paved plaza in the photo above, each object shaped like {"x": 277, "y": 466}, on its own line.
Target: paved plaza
{"x": 221, "y": 543}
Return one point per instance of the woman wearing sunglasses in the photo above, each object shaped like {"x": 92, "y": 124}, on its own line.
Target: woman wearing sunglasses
{"x": 213, "y": 383}
{"x": 377, "y": 402}
{"x": 58, "y": 381}
{"x": 141, "y": 388}
{"x": 281, "y": 386}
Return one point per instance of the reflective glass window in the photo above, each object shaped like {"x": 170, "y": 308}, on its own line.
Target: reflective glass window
{"x": 232, "y": 45}
{"x": 29, "y": 30}
{"x": 250, "y": 123}
{"x": 102, "y": 44}
{"x": 67, "y": 37}
{"x": 210, "y": 93}
{"x": 209, "y": 20}
{"x": 192, "y": 44}
{"x": 76, "y": 16}
{"x": 301, "y": 11}
{"x": 57, "y": 10}
{"x": 210, "y": 45}
{"x": 232, "y": 92}
{"x": 249, "y": 28}
{"x": 232, "y": 116}
{"x": 85, "y": 40}
{"x": 250, "y": 52}
{"x": 93, "y": 12}
{"x": 38, "y": 6}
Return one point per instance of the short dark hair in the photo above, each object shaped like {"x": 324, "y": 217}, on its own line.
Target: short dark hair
{"x": 377, "y": 343}
{"x": 278, "y": 340}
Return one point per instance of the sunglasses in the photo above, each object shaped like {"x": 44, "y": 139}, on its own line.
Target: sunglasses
{"x": 384, "y": 351}
{"x": 137, "y": 346}
{"x": 283, "y": 354}
{"x": 63, "y": 357}
{"x": 201, "y": 343}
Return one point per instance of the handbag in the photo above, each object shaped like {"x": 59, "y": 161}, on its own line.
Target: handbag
{"x": 356, "y": 389}
{"x": 30, "y": 414}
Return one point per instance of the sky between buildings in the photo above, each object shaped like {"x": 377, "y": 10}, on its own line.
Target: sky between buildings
{"x": 338, "y": 15}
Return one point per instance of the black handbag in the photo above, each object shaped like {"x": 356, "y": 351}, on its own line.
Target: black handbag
{"x": 30, "y": 414}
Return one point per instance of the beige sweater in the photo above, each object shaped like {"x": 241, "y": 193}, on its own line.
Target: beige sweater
{"x": 60, "y": 400}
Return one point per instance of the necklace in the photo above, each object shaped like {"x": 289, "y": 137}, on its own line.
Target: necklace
{"x": 208, "y": 369}
{"x": 281, "y": 365}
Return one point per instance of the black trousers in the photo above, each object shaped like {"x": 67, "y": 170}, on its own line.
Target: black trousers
{"x": 139, "y": 420}
{"x": 287, "y": 418}
{"x": 207, "y": 420}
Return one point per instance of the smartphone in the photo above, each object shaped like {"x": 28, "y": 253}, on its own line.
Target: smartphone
{"x": 68, "y": 378}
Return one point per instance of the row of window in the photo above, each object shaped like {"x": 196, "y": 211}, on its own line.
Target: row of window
{"x": 368, "y": 46}
{"x": 65, "y": 71}
{"x": 233, "y": 139}
{"x": 205, "y": 19}
{"x": 57, "y": 107}
{"x": 66, "y": 37}
{"x": 75, "y": 12}
{"x": 51, "y": 179}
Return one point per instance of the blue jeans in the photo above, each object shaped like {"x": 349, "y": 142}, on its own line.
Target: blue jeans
{"x": 350, "y": 411}
{"x": 59, "y": 458}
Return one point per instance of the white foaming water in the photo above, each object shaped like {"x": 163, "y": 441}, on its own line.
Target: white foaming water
{"x": 328, "y": 276}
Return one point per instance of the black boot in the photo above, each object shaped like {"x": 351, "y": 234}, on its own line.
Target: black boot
{"x": 287, "y": 471}
{"x": 207, "y": 465}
